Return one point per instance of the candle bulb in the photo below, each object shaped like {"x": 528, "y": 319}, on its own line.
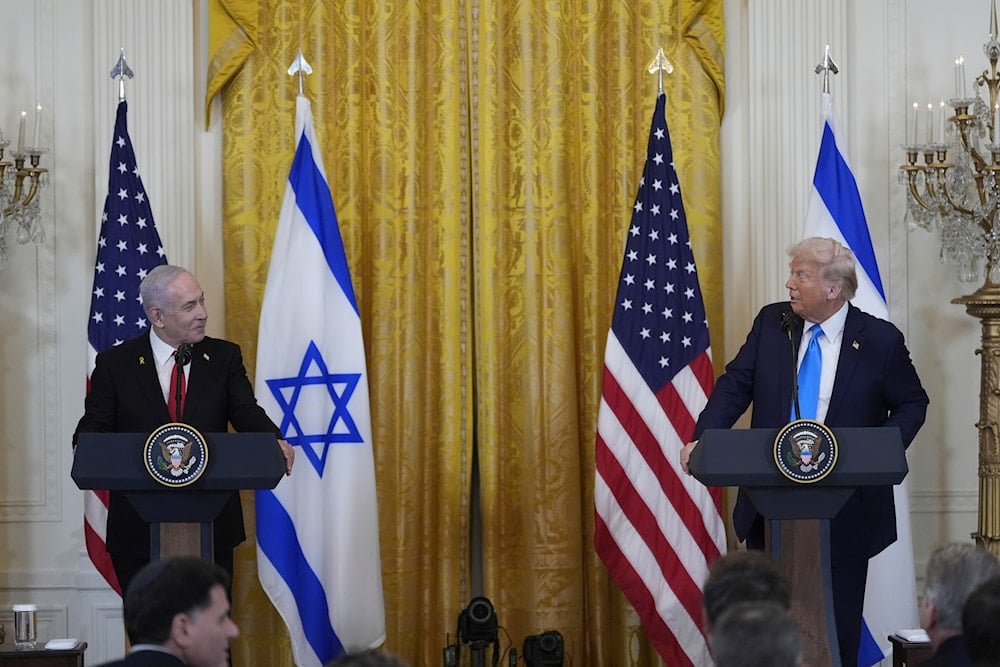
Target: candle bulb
{"x": 20, "y": 134}
{"x": 930, "y": 123}
{"x": 961, "y": 73}
{"x": 944, "y": 114}
{"x": 38, "y": 125}
{"x": 958, "y": 80}
{"x": 911, "y": 138}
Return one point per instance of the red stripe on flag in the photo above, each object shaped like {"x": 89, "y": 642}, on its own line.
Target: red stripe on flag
{"x": 96, "y": 547}
{"x": 701, "y": 367}
{"x": 647, "y": 445}
{"x": 625, "y": 576}
{"x": 642, "y": 518}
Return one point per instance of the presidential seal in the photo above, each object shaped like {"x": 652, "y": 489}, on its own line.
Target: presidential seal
{"x": 175, "y": 455}
{"x": 805, "y": 451}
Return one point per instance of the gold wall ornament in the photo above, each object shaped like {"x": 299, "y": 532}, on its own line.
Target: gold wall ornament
{"x": 955, "y": 190}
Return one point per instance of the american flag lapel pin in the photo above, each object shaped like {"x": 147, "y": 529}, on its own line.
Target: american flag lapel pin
{"x": 856, "y": 345}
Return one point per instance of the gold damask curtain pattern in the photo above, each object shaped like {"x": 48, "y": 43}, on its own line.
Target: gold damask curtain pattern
{"x": 483, "y": 157}
{"x": 561, "y": 124}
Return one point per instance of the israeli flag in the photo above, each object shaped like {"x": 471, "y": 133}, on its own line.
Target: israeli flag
{"x": 317, "y": 532}
{"x": 835, "y": 211}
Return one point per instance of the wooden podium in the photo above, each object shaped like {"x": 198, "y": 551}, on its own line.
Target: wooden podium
{"x": 798, "y": 514}
{"x": 180, "y": 519}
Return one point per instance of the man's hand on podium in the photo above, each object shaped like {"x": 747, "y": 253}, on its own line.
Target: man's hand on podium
{"x": 289, "y": 453}
{"x": 686, "y": 455}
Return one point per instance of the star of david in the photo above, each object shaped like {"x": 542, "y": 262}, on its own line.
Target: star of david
{"x": 340, "y": 387}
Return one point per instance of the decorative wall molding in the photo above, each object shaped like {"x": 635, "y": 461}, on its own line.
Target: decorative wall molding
{"x": 944, "y": 502}
{"x": 38, "y": 580}
{"x": 106, "y": 634}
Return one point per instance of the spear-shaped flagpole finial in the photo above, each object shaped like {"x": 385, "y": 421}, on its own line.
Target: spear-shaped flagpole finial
{"x": 301, "y": 67}
{"x": 121, "y": 71}
{"x": 827, "y": 66}
{"x": 660, "y": 65}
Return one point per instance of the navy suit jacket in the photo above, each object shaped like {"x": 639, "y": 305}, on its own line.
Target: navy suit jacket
{"x": 875, "y": 385}
{"x": 146, "y": 659}
{"x": 951, "y": 653}
{"x": 125, "y": 397}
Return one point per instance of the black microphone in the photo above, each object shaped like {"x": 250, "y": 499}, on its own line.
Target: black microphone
{"x": 183, "y": 354}
{"x": 791, "y": 324}
{"x": 182, "y": 357}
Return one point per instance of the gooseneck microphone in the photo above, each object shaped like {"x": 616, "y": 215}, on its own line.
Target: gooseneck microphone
{"x": 183, "y": 354}
{"x": 791, "y": 324}
{"x": 182, "y": 357}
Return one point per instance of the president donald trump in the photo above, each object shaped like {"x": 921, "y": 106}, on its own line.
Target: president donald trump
{"x": 865, "y": 378}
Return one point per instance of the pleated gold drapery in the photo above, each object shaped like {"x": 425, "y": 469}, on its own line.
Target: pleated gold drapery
{"x": 483, "y": 157}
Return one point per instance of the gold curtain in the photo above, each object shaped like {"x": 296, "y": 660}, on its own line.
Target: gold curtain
{"x": 483, "y": 156}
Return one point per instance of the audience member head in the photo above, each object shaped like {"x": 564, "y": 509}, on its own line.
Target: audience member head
{"x": 181, "y": 604}
{"x": 981, "y": 624}
{"x": 743, "y": 576}
{"x": 953, "y": 572}
{"x": 369, "y": 658}
{"x": 756, "y": 634}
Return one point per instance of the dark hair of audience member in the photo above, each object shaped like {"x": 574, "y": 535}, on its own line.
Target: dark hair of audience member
{"x": 165, "y": 588}
{"x": 981, "y": 624}
{"x": 756, "y": 634}
{"x": 743, "y": 576}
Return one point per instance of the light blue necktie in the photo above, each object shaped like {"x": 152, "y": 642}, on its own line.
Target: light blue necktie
{"x": 809, "y": 372}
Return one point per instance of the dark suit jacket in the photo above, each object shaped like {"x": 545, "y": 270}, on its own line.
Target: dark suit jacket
{"x": 951, "y": 653}
{"x": 125, "y": 397}
{"x": 875, "y": 385}
{"x": 146, "y": 659}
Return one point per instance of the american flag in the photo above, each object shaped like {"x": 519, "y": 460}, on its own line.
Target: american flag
{"x": 656, "y": 528}
{"x": 127, "y": 248}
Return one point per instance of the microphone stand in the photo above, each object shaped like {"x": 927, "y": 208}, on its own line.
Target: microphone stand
{"x": 789, "y": 323}
{"x": 178, "y": 397}
{"x": 181, "y": 358}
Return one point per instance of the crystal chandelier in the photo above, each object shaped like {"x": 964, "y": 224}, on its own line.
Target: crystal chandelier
{"x": 20, "y": 182}
{"x": 956, "y": 190}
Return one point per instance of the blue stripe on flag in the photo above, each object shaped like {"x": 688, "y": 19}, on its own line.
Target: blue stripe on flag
{"x": 869, "y": 653}
{"x": 312, "y": 194}
{"x": 835, "y": 183}
{"x": 281, "y": 546}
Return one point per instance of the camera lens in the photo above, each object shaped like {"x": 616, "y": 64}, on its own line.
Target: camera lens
{"x": 480, "y": 610}
{"x": 548, "y": 642}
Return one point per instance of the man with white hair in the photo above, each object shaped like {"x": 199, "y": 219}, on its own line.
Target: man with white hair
{"x": 861, "y": 375}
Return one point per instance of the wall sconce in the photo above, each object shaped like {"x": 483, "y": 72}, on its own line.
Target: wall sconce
{"x": 20, "y": 182}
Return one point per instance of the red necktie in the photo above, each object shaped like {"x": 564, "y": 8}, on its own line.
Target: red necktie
{"x": 176, "y": 375}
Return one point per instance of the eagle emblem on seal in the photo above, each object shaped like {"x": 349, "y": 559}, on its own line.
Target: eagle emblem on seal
{"x": 175, "y": 456}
